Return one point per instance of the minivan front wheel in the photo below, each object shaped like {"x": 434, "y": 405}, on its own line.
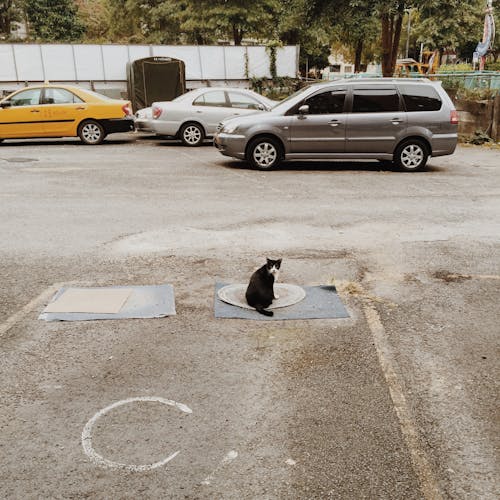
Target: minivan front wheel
{"x": 411, "y": 155}
{"x": 264, "y": 153}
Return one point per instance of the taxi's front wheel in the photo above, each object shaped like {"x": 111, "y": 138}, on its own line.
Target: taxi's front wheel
{"x": 91, "y": 132}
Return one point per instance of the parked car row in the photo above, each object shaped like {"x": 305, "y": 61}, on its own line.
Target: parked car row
{"x": 399, "y": 120}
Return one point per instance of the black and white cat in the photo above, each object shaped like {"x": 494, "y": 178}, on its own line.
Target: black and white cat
{"x": 260, "y": 292}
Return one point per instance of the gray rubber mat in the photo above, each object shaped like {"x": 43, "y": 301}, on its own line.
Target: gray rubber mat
{"x": 150, "y": 301}
{"x": 321, "y": 302}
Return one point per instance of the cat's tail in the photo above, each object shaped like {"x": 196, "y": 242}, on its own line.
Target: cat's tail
{"x": 263, "y": 311}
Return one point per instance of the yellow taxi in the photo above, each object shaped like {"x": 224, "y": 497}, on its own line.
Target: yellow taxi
{"x": 52, "y": 110}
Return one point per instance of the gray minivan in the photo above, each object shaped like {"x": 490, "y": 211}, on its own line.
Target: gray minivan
{"x": 396, "y": 120}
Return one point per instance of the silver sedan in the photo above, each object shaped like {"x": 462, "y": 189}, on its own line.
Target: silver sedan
{"x": 195, "y": 115}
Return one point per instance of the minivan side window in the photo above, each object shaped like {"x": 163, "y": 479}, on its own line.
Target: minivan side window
{"x": 420, "y": 97}
{"x": 375, "y": 101}
{"x": 326, "y": 103}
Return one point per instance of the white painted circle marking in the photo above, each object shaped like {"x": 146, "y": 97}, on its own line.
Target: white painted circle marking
{"x": 104, "y": 462}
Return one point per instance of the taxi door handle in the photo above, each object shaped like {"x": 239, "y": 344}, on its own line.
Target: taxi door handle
{"x": 80, "y": 108}
{"x": 35, "y": 111}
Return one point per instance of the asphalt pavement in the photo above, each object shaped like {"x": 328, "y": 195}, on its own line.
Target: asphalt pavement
{"x": 399, "y": 401}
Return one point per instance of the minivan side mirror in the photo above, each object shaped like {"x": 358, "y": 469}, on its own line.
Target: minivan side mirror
{"x": 304, "y": 109}
{"x": 5, "y": 104}
{"x": 261, "y": 107}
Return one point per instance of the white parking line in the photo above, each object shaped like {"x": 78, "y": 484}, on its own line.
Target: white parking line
{"x": 28, "y": 308}
{"x": 421, "y": 465}
{"x": 232, "y": 455}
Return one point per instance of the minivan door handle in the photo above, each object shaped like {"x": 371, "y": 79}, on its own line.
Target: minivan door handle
{"x": 333, "y": 123}
{"x": 396, "y": 121}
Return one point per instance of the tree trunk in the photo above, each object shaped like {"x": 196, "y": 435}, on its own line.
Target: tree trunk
{"x": 237, "y": 35}
{"x": 391, "y": 34}
{"x": 5, "y": 19}
{"x": 386, "y": 45}
{"x": 396, "y": 36}
{"x": 357, "y": 56}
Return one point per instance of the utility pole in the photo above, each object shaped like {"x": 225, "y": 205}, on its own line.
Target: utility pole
{"x": 408, "y": 33}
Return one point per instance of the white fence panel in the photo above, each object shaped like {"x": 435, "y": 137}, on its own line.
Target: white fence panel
{"x": 138, "y": 52}
{"x": 287, "y": 61}
{"x": 186, "y": 53}
{"x": 83, "y": 63}
{"x": 235, "y": 62}
{"x": 258, "y": 62}
{"x": 58, "y": 62}
{"x": 212, "y": 62}
{"x": 29, "y": 63}
{"x": 7, "y": 64}
{"x": 115, "y": 59}
{"x": 88, "y": 61}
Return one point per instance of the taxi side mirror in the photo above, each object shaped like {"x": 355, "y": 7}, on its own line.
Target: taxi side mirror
{"x": 5, "y": 104}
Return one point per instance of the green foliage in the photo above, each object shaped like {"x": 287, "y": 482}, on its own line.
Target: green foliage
{"x": 456, "y": 24}
{"x": 275, "y": 88}
{"x": 454, "y": 68}
{"x": 53, "y": 20}
{"x": 10, "y": 12}
{"x": 493, "y": 66}
{"x": 95, "y": 16}
{"x": 190, "y": 21}
{"x": 479, "y": 138}
{"x": 271, "y": 50}
{"x": 301, "y": 22}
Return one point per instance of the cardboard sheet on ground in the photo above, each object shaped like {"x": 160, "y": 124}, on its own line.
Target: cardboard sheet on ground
{"x": 90, "y": 300}
{"x": 320, "y": 302}
{"x": 117, "y": 302}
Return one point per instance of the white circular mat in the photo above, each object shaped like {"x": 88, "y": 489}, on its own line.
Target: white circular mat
{"x": 288, "y": 295}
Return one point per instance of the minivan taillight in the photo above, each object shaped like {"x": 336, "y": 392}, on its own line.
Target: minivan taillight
{"x": 454, "y": 117}
{"x": 156, "y": 112}
{"x": 126, "y": 109}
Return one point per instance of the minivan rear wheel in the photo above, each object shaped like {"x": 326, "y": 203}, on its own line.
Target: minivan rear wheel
{"x": 264, "y": 153}
{"x": 411, "y": 155}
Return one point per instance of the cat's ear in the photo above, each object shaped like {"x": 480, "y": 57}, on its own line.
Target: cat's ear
{"x": 269, "y": 261}
{"x": 278, "y": 263}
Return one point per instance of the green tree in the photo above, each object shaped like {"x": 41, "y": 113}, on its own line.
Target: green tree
{"x": 302, "y": 22}
{"x": 456, "y": 24}
{"x": 53, "y": 20}
{"x": 10, "y": 12}
{"x": 96, "y": 18}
